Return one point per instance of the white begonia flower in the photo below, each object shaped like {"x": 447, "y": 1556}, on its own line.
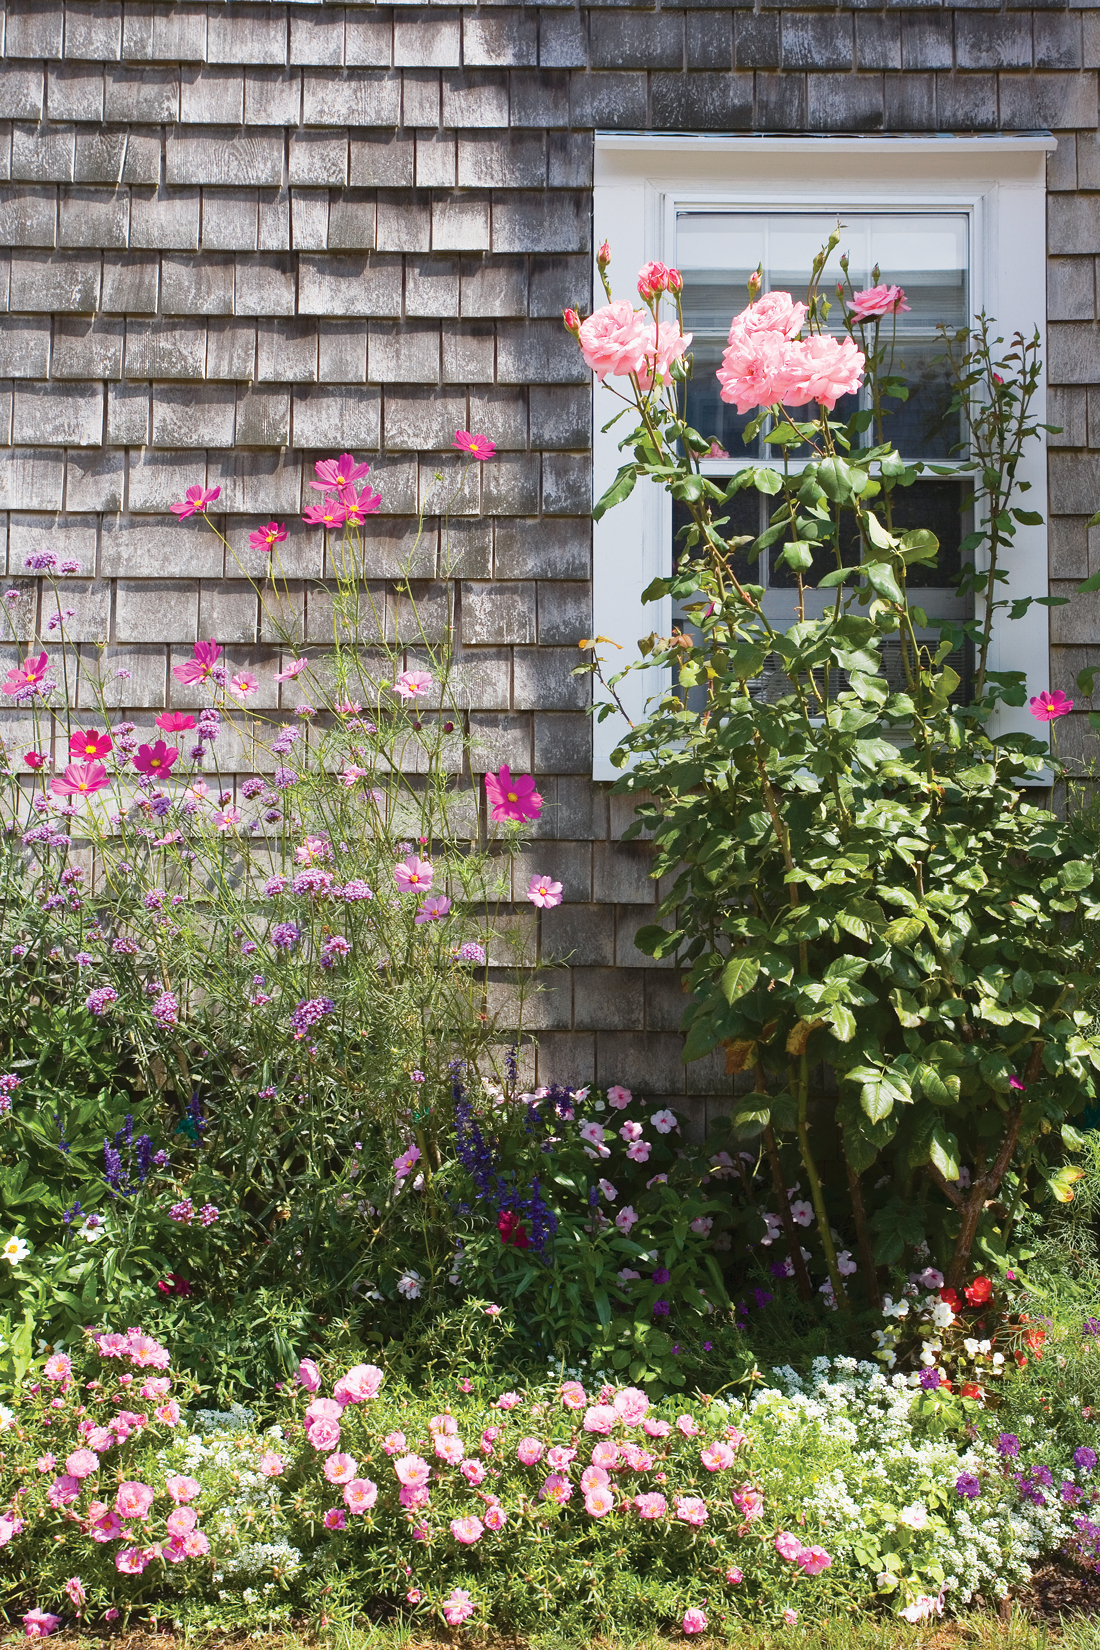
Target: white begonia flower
{"x": 998, "y": 1359}
{"x": 927, "y": 1357}
{"x": 985, "y": 1346}
{"x": 942, "y": 1315}
{"x": 971, "y": 1345}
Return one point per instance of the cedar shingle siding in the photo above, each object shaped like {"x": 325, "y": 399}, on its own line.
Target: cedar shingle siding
{"x": 242, "y": 235}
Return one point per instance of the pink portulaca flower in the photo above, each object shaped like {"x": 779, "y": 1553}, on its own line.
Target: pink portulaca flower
{"x": 694, "y": 1621}
{"x": 39, "y": 1624}
{"x": 599, "y": 1418}
{"x": 691, "y": 1509}
{"x": 359, "y": 1386}
{"x": 413, "y": 684}
{"x": 340, "y": 1468}
{"x": 323, "y": 1435}
{"x": 687, "y": 1426}
{"x": 473, "y": 1472}
{"x": 335, "y": 1519}
{"x": 133, "y": 1499}
{"x": 449, "y": 1447}
{"x": 478, "y": 447}
{"x": 324, "y": 1409}
{"x": 360, "y": 1494}
{"x": 308, "y": 1375}
{"x": 182, "y": 1489}
{"x": 81, "y": 1463}
{"x": 875, "y": 301}
{"x": 631, "y": 1406}
{"x": 599, "y": 1501}
{"x": 812, "y": 1560}
{"x": 495, "y": 1517}
{"x": 650, "y": 1505}
{"x": 556, "y": 1487}
{"x": 788, "y": 1546}
{"x": 717, "y": 1457}
{"x": 544, "y": 892}
{"x": 467, "y": 1530}
{"x": 457, "y": 1607}
{"x": 181, "y": 1521}
{"x": 529, "y": 1450}
{"x": 573, "y": 1395}
{"x": 394, "y": 1442}
{"x": 63, "y": 1490}
{"x": 131, "y": 1561}
{"x": 654, "y": 1427}
{"x": 195, "y": 501}
{"x": 412, "y": 1470}
{"x": 413, "y": 875}
{"x": 1049, "y": 706}
{"x": 507, "y": 1400}
{"x": 510, "y": 797}
{"x": 593, "y": 1478}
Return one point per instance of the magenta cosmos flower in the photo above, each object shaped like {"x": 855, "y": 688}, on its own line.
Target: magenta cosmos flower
{"x": 242, "y": 682}
{"x": 174, "y": 721}
{"x": 337, "y": 472}
{"x": 1049, "y": 706}
{"x": 512, "y": 798}
{"x": 413, "y": 875}
{"x": 357, "y": 506}
{"x": 294, "y": 668}
{"x": 544, "y": 892}
{"x": 268, "y": 536}
{"x": 199, "y": 668}
{"x": 80, "y": 779}
{"x": 27, "y": 674}
{"x": 475, "y": 446}
{"x": 195, "y": 501}
{"x": 432, "y": 909}
{"x": 329, "y": 514}
{"x": 412, "y": 683}
{"x": 90, "y": 745}
{"x": 156, "y": 759}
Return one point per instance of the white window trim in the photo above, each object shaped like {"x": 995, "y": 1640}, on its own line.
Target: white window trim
{"x": 641, "y": 180}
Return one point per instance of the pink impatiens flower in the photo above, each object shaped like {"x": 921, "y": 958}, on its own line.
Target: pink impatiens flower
{"x": 195, "y": 501}
{"x": 625, "y": 1218}
{"x": 413, "y": 875}
{"x": 411, "y": 684}
{"x": 199, "y": 668}
{"x": 512, "y": 798}
{"x": 545, "y": 892}
{"x": 268, "y": 536}
{"x": 474, "y": 446}
{"x": 618, "y": 1097}
{"x": 1049, "y": 706}
{"x": 664, "y": 1121}
{"x": 876, "y": 301}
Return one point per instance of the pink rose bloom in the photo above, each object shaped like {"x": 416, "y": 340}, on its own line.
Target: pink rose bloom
{"x": 39, "y": 1624}
{"x": 449, "y": 1447}
{"x": 717, "y": 1456}
{"x": 650, "y": 1505}
{"x": 556, "y": 1487}
{"x": 360, "y": 1495}
{"x": 412, "y": 1470}
{"x": 58, "y": 1367}
{"x": 340, "y": 1468}
{"x": 662, "y": 347}
{"x": 335, "y": 1519}
{"x": 182, "y": 1489}
{"x": 473, "y": 1472}
{"x": 133, "y": 1500}
{"x": 108, "y": 1528}
{"x": 758, "y": 370}
{"x": 413, "y": 875}
{"x": 653, "y": 1427}
{"x": 509, "y": 1400}
{"x": 181, "y": 1521}
{"x": 393, "y": 1442}
{"x": 876, "y": 301}
{"x": 826, "y": 369}
{"x": 131, "y": 1561}
{"x": 495, "y": 1517}
{"x": 788, "y": 1546}
{"x": 612, "y": 339}
{"x": 323, "y": 1435}
{"x": 690, "y": 1509}
{"x": 631, "y": 1405}
{"x": 694, "y": 1621}
{"x": 658, "y": 277}
{"x": 605, "y": 1454}
{"x": 81, "y": 1463}
{"x": 599, "y": 1418}
{"x": 594, "y": 1478}
{"x": 775, "y": 312}
{"x": 529, "y": 1450}
{"x": 467, "y": 1530}
{"x": 272, "y": 1465}
{"x": 359, "y": 1385}
{"x": 457, "y": 1607}
{"x": 560, "y": 1457}
{"x": 573, "y": 1395}
{"x": 599, "y": 1501}
{"x": 687, "y": 1426}
{"x": 813, "y": 1560}
{"x": 309, "y": 1375}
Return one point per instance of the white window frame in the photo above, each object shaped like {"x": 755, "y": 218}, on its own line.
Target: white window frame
{"x": 641, "y": 181}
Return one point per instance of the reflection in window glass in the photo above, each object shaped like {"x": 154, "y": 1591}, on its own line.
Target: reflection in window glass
{"x": 927, "y": 253}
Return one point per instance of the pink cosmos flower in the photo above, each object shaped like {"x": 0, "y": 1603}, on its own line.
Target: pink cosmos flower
{"x": 174, "y": 721}
{"x": 155, "y": 759}
{"x": 411, "y": 684}
{"x": 323, "y": 1435}
{"x": 413, "y": 875}
{"x": 717, "y": 1456}
{"x": 412, "y": 1470}
{"x": 181, "y": 1521}
{"x": 330, "y": 514}
{"x": 691, "y": 1509}
{"x": 876, "y": 301}
{"x": 694, "y": 1621}
{"x": 294, "y": 668}
{"x": 335, "y": 1519}
{"x": 226, "y": 819}
{"x": 457, "y": 1607}
{"x": 198, "y": 668}
{"x": 495, "y": 1517}
{"x": 650, "y": 1505}
{"x": 90, "y": 746}
{"x": 544, "y": 892}
{"x": 182, "y": 1489}
{"x": 599, "y": 1418}
{"x": 631, "y": 1405}
{"x": 360, "y": 1494}
{"x": 402, "y": 1166}
{"x": 27, "y": 674}
{"x": 573, "y": 1395}
{"x": 133, "y": 1499}
{"x": 475, "y": 446}
{"x": 195, "y": 501}
{"x": 788, "y": 1546}
{"x": 243, "y": 683}
{"x": 358, "y": 506}
{"x": 599, "y": 1501}
{"x": 268, "y": 536}
{"x": 81, "y": 1463}
{"x": 432, "y": 909}
{"x": 1049, "y": 706}
{"x": 618, "y": 1097}
{"x": 612, "y": 341}
{"x": 812, "y": 1560}
{"x": 80, "y": 779}
{"x": 337, "y": 472}
{"x": 467, "y": 1530}
{"x": 360, "y": 1385}
{"x": 511, "y": 798}
{"x": 39, "y": 1624}
{"x": 529, "y": 1450}
{"x": 340, "y": 1468}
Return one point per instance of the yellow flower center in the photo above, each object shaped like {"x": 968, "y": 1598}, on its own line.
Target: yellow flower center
{"x": 512, "y": 797}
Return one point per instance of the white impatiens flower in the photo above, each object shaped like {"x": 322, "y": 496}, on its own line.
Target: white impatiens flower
{"x": 15, "y": 1250}
{"x": 664, "y": 1121}
{"x": 914, "y": 1517}
{"x": 408, "y": 1284}
{"x": 845, "y": 1265}
{"x": 802, "y": 1213}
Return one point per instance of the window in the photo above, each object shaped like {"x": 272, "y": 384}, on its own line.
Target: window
{"x": 928, "y": 212}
